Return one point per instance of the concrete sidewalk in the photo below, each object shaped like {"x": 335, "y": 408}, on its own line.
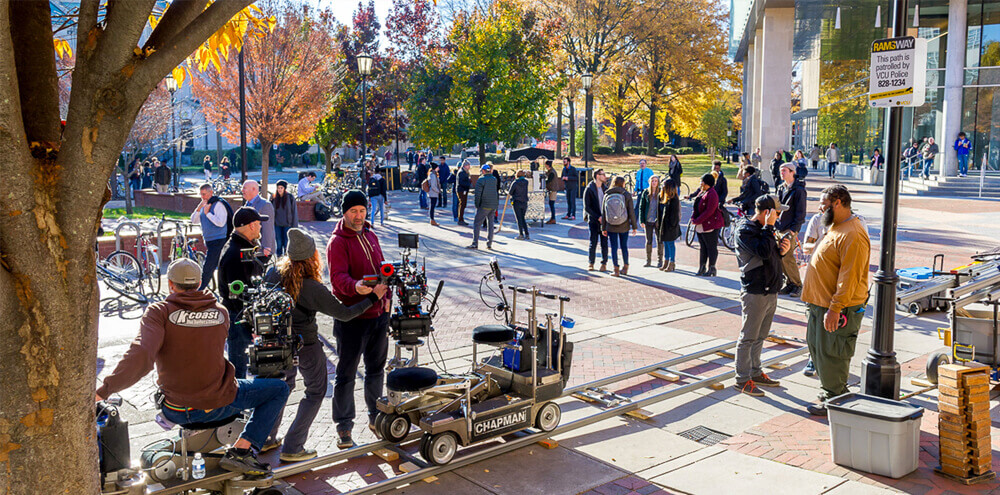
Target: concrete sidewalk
{"x": 768, "y": 445}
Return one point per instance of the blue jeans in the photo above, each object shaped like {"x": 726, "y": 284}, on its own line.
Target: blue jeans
{"x": 454, "y": 203}
{"x": 378, "y": 204}
{"x": 571, "y": 200}
{"x": 265, "y": 397}
{"x": 280, "y": 239}
{"x": 618, "y": 240}
{"x": 669, "y": 251}
{"x": 963, "y": 164}
{"x": 832, "y": 168}
{"x": 237, "y": 341}
{"x": 423, "y": 200}
{"x": 928, "y": 163}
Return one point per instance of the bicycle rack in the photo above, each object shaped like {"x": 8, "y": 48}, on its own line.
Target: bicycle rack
{"x": 118, "y": 232}
{"x": 159, "y": 230}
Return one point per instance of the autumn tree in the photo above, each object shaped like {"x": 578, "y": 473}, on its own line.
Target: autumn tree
{"x": 714, "y": 127}
{"x": 413, "y": 28}
{"x": 55, "y": 173}
{"x": 620, "y": 99}
{"x": 290, "y": 72}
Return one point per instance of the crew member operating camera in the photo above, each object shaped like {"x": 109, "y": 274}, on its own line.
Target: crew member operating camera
{"x": 352, "y": 253}
{"x": 183, "y": 336}
{"x": 232, "y": 267}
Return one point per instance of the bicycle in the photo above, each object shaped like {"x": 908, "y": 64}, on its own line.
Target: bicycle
{"x": 728, "y": 233}
{"x": 146, "y": 254}
{"x": 410, "y": 183}
{"x": 120, "y": 272}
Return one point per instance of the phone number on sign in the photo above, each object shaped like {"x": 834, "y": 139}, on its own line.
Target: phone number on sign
{"x": 891, "y": 82}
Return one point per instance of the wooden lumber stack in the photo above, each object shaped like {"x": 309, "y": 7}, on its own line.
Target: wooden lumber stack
{"x": 964, "y": 422}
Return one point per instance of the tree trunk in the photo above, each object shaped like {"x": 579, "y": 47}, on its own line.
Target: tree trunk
{"x": 559, "y": 128}
{"x": 651, "y": 138}
{"x": 572, "y": 127}
{"x": 482, "y": 153}
{"x": 327, "y": 151}
{"x": 265, "y": 160}
{"x": 619, "y": 134}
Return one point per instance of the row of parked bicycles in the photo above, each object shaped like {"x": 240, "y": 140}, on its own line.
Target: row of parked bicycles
{"x": 729, "y": 236}
{"x": 135, "y": 273}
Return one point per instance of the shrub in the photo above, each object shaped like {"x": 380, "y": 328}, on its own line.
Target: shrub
{"x": 495, "y": 158}
{"x": 685, "y": 150}
{"x": 636, "y": 150}
{"x": 603, "y": 150}
{"x": 667, "y": 150}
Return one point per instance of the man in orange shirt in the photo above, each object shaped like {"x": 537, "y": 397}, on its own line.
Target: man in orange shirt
{"x": 835, "y": 292}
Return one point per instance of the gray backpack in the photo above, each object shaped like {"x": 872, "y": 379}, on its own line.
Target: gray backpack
{"x": 615, "y": 210}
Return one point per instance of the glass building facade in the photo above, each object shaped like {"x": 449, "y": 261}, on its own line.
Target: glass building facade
{"x": 829, "y": 80}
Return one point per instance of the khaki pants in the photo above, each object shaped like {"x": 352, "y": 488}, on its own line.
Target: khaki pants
{"x": 161, "y": 188}
{"x": 790, "y": 265}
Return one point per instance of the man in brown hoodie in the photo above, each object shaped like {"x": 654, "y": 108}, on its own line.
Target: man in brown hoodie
{"x": 184, "y": 337}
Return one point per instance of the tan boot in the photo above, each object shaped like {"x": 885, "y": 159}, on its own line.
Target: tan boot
{"x": 615, "y": 274}
{"x": 625, "y": 269}
{"x": 671, "y": 266}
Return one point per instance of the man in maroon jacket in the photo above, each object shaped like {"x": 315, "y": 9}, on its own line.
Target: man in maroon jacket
{"x": 352, "y": 253}
{"x": 184, "y": 337}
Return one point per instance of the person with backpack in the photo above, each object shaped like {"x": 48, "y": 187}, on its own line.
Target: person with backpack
{"x": 286, "y": 215}
{"x": 216, "y": 219}
{"x": 707, "y": 220}
{"x": 649, "y": 209}
{"x": 617, "y": 215}
{"x": 518, "y": 193}
{"x": 668, "y": 223}
{"x": 378, "y": 194}
{"x": 593, "y": 199}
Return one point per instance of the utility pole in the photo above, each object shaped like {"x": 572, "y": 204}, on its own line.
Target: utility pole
{"x": 243, "y": 119}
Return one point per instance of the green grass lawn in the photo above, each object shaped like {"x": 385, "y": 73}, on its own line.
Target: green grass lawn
{"x": 142, "y": 212}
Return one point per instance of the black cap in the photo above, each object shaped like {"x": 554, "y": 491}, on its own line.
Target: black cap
{"x": 769, "y": 202}
{"x": 353, "y": 198}
{"x": 247, "y": 215}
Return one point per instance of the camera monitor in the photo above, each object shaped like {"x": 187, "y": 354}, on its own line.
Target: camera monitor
{"x": 409, "y": 241}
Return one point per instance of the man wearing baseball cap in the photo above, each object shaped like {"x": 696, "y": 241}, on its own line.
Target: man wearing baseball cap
{"x": 758, "y": 254}
{"x": 246, "y": 234}
{"x": 487, "y": 201}
{"x": 792, "y": 194}
{"x": 183, "y": 337}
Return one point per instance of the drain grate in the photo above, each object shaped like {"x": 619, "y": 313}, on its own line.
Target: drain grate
{"x": 704, "y": 435}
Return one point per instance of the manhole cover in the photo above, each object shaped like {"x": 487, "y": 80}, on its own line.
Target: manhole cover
{"x": 704, "y": 435}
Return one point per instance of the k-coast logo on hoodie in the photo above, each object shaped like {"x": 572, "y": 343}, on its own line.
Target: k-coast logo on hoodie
{"x": 206, "y": 318}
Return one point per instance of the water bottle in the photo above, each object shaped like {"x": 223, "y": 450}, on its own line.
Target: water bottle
{"x": 198, "y": 467}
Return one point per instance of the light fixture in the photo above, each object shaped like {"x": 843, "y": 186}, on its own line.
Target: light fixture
{"x": 171, "y": 83}
{"x": 878, "y": 16}
{"x": 916, "y": 15}
{"x": 836, "y": 23}
{"x": 586, "y": 80}
{"x": 365, "y": 64}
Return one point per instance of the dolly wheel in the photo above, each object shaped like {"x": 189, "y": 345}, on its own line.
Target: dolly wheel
{"x": 394, "y": 427}
{"x": 548, "y": 416}
{"x": 936, "y": 359}
{"x": 379, "y": 419}
{"x": 914, "y": 308}
{"x": 439, "y": 449}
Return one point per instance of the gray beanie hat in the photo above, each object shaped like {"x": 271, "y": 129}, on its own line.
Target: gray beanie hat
{"x": 301, "y": 245}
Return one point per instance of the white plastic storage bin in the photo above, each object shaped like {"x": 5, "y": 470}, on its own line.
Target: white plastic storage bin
{"x": 875, "y": 435}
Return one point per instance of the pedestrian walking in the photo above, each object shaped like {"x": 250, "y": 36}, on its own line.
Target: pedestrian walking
{"x": 792, "y": 194}
{"x": 552, "y": 186}
{"x": 928, "y": 152}
{"x": 487, "y": 201}
{"x": 378, "y": 194}
{"x": 668, "y": 223}
{"x": 814, "y": 155}
{"x": 962, "y": 148}
{"x": 835, "y": 293}
{"x": 801, "y": 170}
{"x": 518, "y": 193}
{"x": 206, "y": 166}
{"x": 433, "y": 191}
{"x": 286, "y": 215}
{"x": 161, "y": 177}
{"x": 571, "y": 179}
{"x": 877, "y": 160}
{"x": 758, "y": 254}
{"x": 593, "y": 201}
{"x": 756, "y": 159}
{"x": 708, "y": 221}
{"x": 224, "y": 167}
{"x": 832, "y": 159}
{"x": 776, "y": 162}
{"x": 675, "y": 170}
{"x": 617, "y": 217}
{"x": 649, "y": 210}
{"x": 462, "y": 185}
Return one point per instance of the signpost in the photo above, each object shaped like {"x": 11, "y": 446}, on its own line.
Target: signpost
{"x": 898, "y": 73}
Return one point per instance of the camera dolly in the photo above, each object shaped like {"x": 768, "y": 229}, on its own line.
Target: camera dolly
{"x": 510, "y": 390}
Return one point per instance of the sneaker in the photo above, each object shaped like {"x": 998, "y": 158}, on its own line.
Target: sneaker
{"x": 271, "y": 444}
{"x": 302, "y": 455}
{"x": 817, "y": 409}
{"x": 765, "y": 381}
{"x": 520, "y": 237}
{"x": 551, "y": 222}
{"x": 566, "y": 217}
{"x": 749, "y": 388}
{"x": 489, "y": 246}
{"x": 795, "y": 292}
{"x": 344, "y": 440}
{"x": 810, "y": 369}
{"x": 244, "y": 462}
{"x": 785, "y": 290}
{"x": 472, "y": 246}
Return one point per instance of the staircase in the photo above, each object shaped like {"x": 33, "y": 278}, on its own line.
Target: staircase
{"x": 954, "y": 187}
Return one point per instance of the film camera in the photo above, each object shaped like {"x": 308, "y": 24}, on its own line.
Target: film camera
{"x": 268, "y": 311}
{"x": 408, "y": 281}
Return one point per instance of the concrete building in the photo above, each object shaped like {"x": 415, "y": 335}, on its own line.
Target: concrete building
{"x": 805, "y": 76}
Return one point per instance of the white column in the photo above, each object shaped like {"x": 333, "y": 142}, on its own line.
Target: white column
{"x": 758, "y": 60}
{"x": 776, "y": 80}
{"x": 746, "y": 142}
{"x": 954, "y": 77}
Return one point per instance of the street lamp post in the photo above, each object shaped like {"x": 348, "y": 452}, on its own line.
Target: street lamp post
{"x": 243, "y": 120}
{"x": 172, "y": 87}
{"x": 880, "y": 371}
{"x": 365, "y": 68}
{"x": 586, "y": 81}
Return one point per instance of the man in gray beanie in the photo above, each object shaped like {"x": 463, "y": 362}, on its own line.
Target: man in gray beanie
{"x": 299, "y": 274}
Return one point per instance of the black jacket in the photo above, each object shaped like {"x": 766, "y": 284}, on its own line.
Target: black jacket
{"x": 794, "y": 197}
{"x": 519, "y": 191}
{"x": 675, "y": 172}
{"x": 232, "y": 268}
{"x": 759, "y": 259}
{"x": 591, "y": 203}
{"x": 721, "y": 187}
{"x": 668, "y": 220}
{"x": 377, "y": 186}
{"x": 464, "y": 181}
{"x": 422, "y": 170}
{"x": 751, "y": 189}
{"x": 161, "y": 175}
{"x": 315, "y": 297}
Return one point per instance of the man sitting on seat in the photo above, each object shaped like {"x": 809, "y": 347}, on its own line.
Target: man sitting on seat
{"x": 184, "y": 337}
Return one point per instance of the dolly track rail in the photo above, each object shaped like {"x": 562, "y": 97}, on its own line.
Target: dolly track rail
{"x": 329, "y": 459}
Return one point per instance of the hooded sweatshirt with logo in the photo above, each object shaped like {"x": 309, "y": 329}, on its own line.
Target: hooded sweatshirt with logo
{"x": 351, "y": 255}
{"x": 184, "y": 336}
